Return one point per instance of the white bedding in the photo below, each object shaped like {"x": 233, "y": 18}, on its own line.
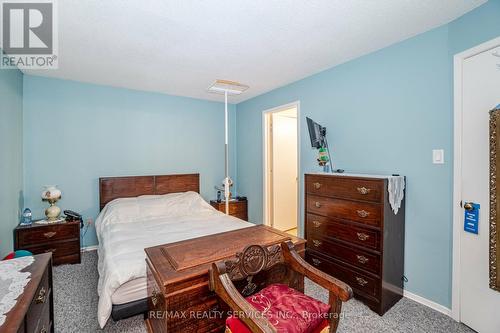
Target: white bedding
{"x": 126, "y": 226}
{"x": 130, "y": 291}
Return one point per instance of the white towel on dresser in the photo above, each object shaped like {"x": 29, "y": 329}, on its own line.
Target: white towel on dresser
{"x": 396, "y": 187}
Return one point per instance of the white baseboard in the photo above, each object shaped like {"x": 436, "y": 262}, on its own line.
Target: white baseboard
{"x": 89, "y": 248}
{"x": 424, "y": 301}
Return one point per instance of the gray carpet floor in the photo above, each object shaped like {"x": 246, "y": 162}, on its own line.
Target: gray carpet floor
{"x": 75, "y": 302}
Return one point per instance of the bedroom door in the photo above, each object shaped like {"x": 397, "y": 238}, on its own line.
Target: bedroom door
{"x": 281, "y": 155}
{"x": 479, "y": 305}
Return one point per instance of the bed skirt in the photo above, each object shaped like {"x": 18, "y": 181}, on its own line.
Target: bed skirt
{"x": 130, "y": 309}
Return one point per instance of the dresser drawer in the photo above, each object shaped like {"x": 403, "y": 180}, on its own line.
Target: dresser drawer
{"x": 45, "y": 323}
{"x": 348, "y": 188}
{"x": 364, "y": 283}
{"x": 40, "y": 301}
{"x": 243, "y": 216}
{"x": 61, "y": 251}
{"x": 44, "y": 234}
{"x": 366, "y": 213}
{"x": 321, "y": 226}
{"x": 236, "y": 208}
{"x": 362, "y": 259}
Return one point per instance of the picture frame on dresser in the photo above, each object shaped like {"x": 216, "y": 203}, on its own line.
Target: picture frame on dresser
{"x": 354, "y": 235}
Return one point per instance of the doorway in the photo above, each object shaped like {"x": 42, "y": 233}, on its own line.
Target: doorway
{"x": 477, "y": 82}
{"x": 281, "y": 167}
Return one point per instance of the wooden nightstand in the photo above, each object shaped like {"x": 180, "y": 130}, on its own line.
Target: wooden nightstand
{"x": 237, "y": 208}
{"x": 62, "y": 239}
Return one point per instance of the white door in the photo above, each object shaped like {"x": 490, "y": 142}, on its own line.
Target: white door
{"x": 479, "y": 305}
{"x": 284, "y": 170}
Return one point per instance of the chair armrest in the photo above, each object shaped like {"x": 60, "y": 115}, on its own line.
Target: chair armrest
{"x": 298, "y": 264}
{"x": 225, "y": 289}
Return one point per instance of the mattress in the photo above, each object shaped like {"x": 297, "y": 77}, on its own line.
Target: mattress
{"x": 126, "y": 226}
{"x": 130, "y": 291}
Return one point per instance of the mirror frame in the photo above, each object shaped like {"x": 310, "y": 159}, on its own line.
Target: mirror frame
{"x": 494, "y": 199}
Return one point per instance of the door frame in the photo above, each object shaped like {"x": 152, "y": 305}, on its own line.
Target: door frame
{"x": 458, "y": 61}
{"x": 265, "y": 180}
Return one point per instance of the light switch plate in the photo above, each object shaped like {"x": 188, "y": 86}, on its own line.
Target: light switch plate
{"x": 438, "y": 156}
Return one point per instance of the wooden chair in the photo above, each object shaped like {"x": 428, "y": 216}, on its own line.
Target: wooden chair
{"x": 256, "y": 269}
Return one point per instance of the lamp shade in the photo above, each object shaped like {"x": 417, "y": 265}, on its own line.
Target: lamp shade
{"x": 51, "y": 192}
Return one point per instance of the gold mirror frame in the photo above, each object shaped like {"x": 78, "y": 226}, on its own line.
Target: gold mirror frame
{"x": 494, "y": 202}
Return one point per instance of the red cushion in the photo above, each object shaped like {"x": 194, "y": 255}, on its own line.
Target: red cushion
{"x": 287, "y": 310}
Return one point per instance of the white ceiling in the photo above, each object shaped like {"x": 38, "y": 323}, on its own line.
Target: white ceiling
{"x": 180, "y": 47}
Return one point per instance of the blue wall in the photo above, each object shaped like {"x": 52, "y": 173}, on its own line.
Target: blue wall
{"x": 11, "y": 158}
{"x": 385, "y": 112}
{"x": 75, "y": 133}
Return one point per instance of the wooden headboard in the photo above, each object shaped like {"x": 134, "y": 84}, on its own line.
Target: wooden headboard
{"x": 111, "y": 188}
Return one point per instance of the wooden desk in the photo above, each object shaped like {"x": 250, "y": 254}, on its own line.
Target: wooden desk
{"x": 34, "y": 310}
{"x": 178, "y": 279}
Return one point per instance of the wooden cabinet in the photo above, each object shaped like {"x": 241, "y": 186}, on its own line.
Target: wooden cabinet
{"x": 237, "y": 208}
{"x": 34, "y": 310}
{"x": 353, "y": 234}
{"x": 62, "y": 239}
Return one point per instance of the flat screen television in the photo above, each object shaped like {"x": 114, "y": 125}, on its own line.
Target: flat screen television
{"x": 317, "y": 133}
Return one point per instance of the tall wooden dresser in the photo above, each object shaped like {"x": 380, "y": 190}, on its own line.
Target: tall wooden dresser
{"x": 353, "y": 234}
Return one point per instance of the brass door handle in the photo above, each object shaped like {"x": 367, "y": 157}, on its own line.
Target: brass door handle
{"x": 154, "y": 297}
{"x": 316, "y": 262}
{"x": 363, "y": 190}
{"x": 42, "y": 296}
{"x": 317, "y": 223}
{"x": 362, "y": 259}
{"x": 317, "y": 243}
{"x": 50, "y": 234}
{"x": 362, "y": 213}
{"x": 317, "y": 185}
{"x": 317, "y": 204}
{"x": 362, "y": 282}
{"x": 362, "y": 236}
{"x": 468, "y": 206}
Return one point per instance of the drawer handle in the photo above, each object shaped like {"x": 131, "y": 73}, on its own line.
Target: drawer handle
{"x": 317, "y": 204}
{"x": 316, "y": 262}
{"x": 362, "y": 259}
{"x": 362, "y": 236}
{"x": 42, "y": 296}
{"x": 362, "y": 282}
{"x": 317, "y": 223}
{"x": 362, "y": 213}
{"x": 50, "y": 250}
{"x": 363, "y": 190}
{"x": 317, "y": 243}
{"x": 154, "y": 297}
{"x": 50, "y": 234}
{"x": 317, "y": 185}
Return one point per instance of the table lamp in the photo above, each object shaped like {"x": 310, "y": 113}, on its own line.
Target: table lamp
{"x": 52, "y": 194}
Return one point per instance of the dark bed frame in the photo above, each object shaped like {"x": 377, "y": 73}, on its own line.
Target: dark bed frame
{"x": 111, "y": 188}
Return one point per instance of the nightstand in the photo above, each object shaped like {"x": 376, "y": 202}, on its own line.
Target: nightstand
{"x": 62, "y": 239}
{"x": 237, "y": 208}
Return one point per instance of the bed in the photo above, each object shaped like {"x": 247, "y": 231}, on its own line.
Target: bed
{"x": 139, "y": 212}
